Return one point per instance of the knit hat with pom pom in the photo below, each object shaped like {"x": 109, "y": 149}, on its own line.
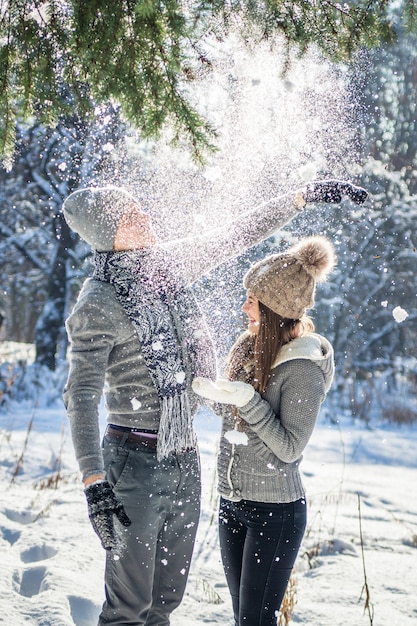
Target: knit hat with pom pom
{"x": 286, "y": 283}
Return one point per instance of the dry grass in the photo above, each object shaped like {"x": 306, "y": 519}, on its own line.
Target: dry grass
{"x": 7, "y": 380}
{"x": 289, "y": 602}
{"x": 399, "y": 413}
{"x": 20, "y": 460}
{"x": 368, "y": 606}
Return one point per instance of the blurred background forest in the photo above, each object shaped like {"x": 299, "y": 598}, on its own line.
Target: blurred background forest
{"x": 358, "y": 122}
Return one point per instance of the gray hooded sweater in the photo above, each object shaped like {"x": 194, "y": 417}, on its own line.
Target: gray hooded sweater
{"x": 278, "y": 424}
{"x": 105, "y": 352}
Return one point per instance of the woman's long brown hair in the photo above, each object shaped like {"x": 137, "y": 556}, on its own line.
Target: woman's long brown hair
{"x": 262, "y": 349}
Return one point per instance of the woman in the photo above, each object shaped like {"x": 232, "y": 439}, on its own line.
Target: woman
{"x": 278, "y": 374}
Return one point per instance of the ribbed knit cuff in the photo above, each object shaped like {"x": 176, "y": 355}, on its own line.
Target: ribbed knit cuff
{"x": 244, "y": 411}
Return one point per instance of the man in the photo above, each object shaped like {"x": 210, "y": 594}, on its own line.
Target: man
{"x": 137, "y": 330}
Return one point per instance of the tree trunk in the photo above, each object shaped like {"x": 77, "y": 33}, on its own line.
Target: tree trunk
{"x": 50, "y": 325}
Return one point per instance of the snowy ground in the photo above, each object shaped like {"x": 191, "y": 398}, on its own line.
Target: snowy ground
{"x": 52, "y": 563}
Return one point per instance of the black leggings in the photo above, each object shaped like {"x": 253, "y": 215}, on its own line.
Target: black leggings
{"x": 259, "y": 543}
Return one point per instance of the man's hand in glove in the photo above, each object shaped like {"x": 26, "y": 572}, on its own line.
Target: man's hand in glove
{"x": 333, "y": 191}
{"x": 223, "y": 391}
{"x": 102, "y": 506}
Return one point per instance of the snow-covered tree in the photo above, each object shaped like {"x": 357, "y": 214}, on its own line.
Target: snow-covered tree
{"x": 388, "y": 89}
{"x": 39, "y": 257}
{"x": 368, "y": 309}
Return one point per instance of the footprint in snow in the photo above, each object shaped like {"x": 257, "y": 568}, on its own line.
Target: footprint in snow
{"x": 9, "y": 535}
{"x": 37, "y": 553}
{"x": 30, "y": 582}
{"x": 83, "y": 611}
{"x": 22, "y": 517}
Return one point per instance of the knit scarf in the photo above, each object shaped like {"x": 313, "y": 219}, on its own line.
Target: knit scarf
{"x": 174, "y": 337}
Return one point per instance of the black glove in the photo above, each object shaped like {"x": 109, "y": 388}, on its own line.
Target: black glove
{"x": 332, "y": 191}
{"x": 102, "y": 505}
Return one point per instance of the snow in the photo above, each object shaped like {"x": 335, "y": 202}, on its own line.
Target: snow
{"x": 136, "y": 404}
{"x": 399, "y": 314}
{"x": 359, "y": 481}
{"x": 234, "y": 436}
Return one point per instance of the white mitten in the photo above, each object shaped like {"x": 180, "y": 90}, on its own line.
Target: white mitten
{"x": 223, "y": 391}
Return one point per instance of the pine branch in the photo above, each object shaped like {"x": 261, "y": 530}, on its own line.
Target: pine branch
{"x": 74, "y": 55}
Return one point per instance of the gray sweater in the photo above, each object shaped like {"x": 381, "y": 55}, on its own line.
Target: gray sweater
{"x": 105, "y": 351}
{"x": 278, "y": 424}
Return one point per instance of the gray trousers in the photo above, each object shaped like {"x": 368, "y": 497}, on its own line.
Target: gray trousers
{"x": 145, "y": 581}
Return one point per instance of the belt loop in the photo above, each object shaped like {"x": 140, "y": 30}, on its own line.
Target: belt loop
{"x": 123, "y": 440}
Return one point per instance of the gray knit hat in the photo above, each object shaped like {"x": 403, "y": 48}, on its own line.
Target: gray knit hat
{"x": 94, "y": 213}
{"x": 286, "y": 283}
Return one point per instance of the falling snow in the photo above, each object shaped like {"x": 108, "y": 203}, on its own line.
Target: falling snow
{"x": 399, "y": 314}
{"x": 52, "y": 562}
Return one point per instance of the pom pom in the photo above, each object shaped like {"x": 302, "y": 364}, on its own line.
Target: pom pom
{"x": 317, "y": 256}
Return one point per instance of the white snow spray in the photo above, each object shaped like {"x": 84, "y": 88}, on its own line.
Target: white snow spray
{"x": 276, "y": 131}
